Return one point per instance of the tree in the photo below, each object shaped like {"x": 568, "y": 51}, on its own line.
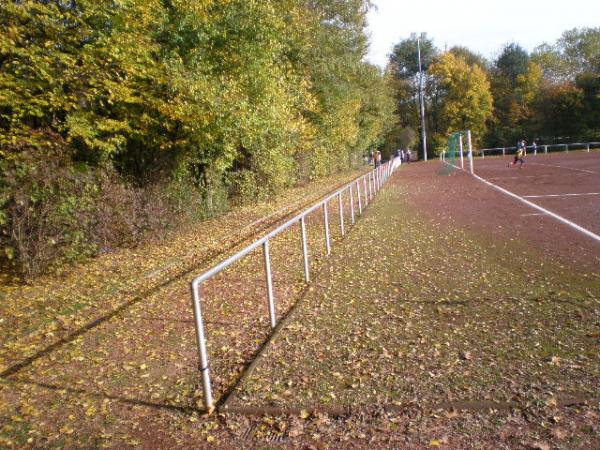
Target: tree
{"x": 404, "y": 64}
{"x": 512, "y": 62}
{"x": 515, "y": 82}
{"x": 464, "y": 95}
{"x": 216, "y": 100}
{"x": 470, "y": 57}
{"x": 577, "y": 51}
{"x": 404, "y": 56}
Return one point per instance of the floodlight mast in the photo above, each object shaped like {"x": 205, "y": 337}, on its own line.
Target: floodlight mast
{"x": 422, "y": 102}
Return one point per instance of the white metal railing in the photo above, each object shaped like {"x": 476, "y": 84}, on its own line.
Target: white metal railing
{"x": 371, "y": 182}
{"x": 541, "y": 148}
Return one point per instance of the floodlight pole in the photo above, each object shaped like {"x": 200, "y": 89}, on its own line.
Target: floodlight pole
{"x": 422, "y": 102}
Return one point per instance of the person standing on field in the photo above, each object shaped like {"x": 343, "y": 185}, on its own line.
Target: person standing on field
{"x": 377, "y": 158}
{"x": 521, "y": 152}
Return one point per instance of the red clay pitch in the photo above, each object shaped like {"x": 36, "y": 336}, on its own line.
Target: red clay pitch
{"x": 462, "y": 200}
{"x": 566, "y": 184}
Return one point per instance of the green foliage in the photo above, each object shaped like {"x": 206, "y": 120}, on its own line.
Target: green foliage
{"x": 404, "y": 57}
{"x": 470, "y": 57}
{"x": 197, "y": 102}
{"x": 512, "y": 62}
{"x": 516, "y": 82}
{"x": 577, "y": 51}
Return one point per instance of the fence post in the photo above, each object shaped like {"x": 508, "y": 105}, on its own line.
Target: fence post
{"x": 326, "y": 218}
{"x": 545, "y": 149}
{"x": 358, "y": 197}
{"x": 567, "y": 148}
{"x": 365, "y": 189}
{"x": 588, "y": 147}
{"x": 202, "y": 352}
{"x": 374, "y": 178}
{"x": 341, "y": 206}
{"x": 351, "y": 205}
{"x": 269, "y": 278}
{"x": 460, "y": 149}
{"x": 470, "y": 150}
{"x": 305, "y": 250}
{"x": 503, "y": 151}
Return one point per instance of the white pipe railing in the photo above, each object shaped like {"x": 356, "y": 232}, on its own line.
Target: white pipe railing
{"x": 543, "y": 147}
{"x": 375, "y": 180}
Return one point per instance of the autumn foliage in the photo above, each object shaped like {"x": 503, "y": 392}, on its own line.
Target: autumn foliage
{"x": 119, "y": 118}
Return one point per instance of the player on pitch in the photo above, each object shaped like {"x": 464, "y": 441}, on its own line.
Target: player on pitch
{"x": 521, "y": 152}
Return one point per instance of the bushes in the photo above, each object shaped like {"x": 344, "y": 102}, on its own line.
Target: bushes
{"x": 103, "y": 142}
{"x": 47, "y": 207}
{"x": 55, "y": 212}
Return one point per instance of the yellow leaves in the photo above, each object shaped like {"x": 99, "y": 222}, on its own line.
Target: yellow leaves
{"x": 468, "y": 99}
{"x": 66, "y": 430}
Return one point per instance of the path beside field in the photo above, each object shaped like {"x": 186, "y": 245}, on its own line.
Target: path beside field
{"x": 419, "y": 310}
{"x": 439, "y": 321}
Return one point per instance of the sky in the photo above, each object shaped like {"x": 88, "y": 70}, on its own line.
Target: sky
{"x": 484, "y": 26}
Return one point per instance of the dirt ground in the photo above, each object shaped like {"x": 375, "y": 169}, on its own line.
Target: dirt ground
{"x": 444, "y": 319}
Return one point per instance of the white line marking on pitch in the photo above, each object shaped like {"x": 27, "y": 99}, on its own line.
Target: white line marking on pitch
{"x": 561, "y": 195}
{"x": 524, "y": 176}
{"x": 563, "y": 167}
{"x": 532, "y": 214}
{"x": 544, "y": 210}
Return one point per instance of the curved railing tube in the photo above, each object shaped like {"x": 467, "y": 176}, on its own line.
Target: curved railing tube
{"x": 375, "y": 180}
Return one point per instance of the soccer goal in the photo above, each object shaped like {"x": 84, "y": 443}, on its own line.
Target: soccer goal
{"x": 454, "y": 156}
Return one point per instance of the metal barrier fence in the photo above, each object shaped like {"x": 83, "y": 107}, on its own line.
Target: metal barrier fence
{"x": 371, "y": 183}
{"x": 541, "y": 148}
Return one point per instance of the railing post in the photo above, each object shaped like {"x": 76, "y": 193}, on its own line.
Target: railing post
{"x": 269, "y": 279}
{"x": 567, "y": 148}
{"x": 202, "y": 352}
{"x": 374, "y": 179}
{"x": 358, "y": 197}
{"x": 341, "y": 207}
{"x": 470, "y": 150}
{"x": 482, "y": 154}
{"x": 305, "y": 250}
{"x": 460, "y": 149}
{"x": 351, "y": 204}
{"x": 588, "y": 147}
{"x": 503, "y": 151}
{"x": 326, "y": 218}
{"x": 366, "y": 190}
{"x": 375, "y": 182}
{"x": 545, "y": 149}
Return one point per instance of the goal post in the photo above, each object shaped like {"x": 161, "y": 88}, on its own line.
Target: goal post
{"x": 456, "y": 147}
